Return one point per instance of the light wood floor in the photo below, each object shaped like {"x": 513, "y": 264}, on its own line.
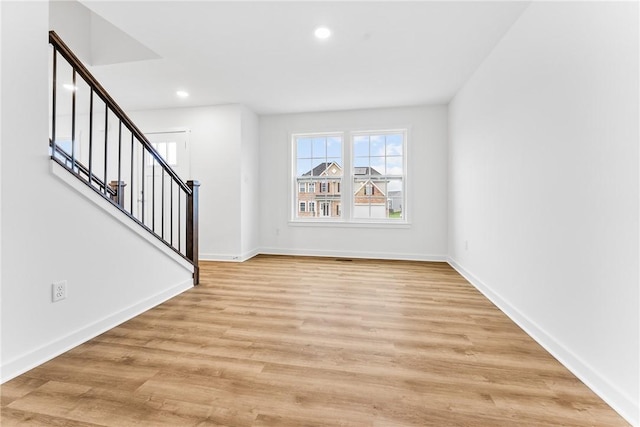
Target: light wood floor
{"x": 285, "y": 341}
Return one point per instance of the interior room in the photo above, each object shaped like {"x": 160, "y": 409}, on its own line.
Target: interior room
{"x": 436, "y": 163}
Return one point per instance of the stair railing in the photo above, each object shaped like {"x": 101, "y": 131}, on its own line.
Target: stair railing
{"x": 97, "y": 142}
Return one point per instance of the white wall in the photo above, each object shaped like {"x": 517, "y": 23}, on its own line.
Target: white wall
{"x": 52, "y": 232}
{"x": 72, "y": 22}
{"x": 250, "y": 184}
{"x": 224, "y": 149}
{"x": 544, "y": 187}
{"x": 424, "y": 239}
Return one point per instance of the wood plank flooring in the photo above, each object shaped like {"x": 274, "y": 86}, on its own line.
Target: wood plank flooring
{"x": 295, "y": 341}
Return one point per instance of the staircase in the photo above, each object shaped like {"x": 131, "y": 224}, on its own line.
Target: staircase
{"x": 93, "y": 139}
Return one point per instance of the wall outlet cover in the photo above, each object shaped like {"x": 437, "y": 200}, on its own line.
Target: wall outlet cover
{"x": 58, "y": 291}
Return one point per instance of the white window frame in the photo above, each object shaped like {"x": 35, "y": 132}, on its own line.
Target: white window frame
{"x": 346, "y": 199}
{"x": 391, "y": 176}
{"x": 317, "y": 216}
{"x": 368, "y": 189}
{"x": 325, "y": 206}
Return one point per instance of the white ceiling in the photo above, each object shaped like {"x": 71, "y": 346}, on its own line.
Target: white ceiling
{"x": 264, "y": 55}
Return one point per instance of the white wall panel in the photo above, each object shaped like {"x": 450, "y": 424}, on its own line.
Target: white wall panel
{"x": 544, "y": 187}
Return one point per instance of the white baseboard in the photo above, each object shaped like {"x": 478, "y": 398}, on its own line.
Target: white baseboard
{"x": 32, "y": 359}
{"x": 229, "y": 258}
{"x": 353, "y": 254}
{"x": 614, "y": 397}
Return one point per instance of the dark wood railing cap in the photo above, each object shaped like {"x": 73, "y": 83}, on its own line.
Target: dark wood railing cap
{"x": 75, "y": 62}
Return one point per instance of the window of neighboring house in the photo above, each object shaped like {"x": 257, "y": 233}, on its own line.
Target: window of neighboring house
{"x": 303, "y": 206}
{"x": 318, "y": 159}
{"x": 378, "y": 174}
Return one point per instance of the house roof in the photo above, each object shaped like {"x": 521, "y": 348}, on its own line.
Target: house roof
{"x": 360, "y": 170}
{"x": 321, "y": 168}
{"x": 365, "y": 170}
{"x": 362, "y": 184}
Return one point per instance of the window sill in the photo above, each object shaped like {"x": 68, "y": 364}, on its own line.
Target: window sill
{"x": 348, "y": 224}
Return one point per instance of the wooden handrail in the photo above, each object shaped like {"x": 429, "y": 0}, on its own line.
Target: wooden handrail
{"x": 114, "y": 191}
{"x": 67, "y": 54}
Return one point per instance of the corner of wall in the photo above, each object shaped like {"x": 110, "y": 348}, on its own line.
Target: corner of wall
{"x": 597, "y": 382}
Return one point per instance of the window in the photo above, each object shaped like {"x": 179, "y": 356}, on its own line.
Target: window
{"x": 325, "y": 208}
{"x": 378, "y": 175}
{"x": 375, "y": 170}
{"x": 318, "y": 160}
{"x": 167, "y": 150}
{"x": 302, "y": 206}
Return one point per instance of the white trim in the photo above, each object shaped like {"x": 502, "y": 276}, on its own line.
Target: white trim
{"x": 169, "y": 130}
{"x": 358, "y": 254}
{"x": 314, "y": 222}
{"x": 68, "y": 178}
{"x": 614, "y": 397}
{"x": 347, "y": 194}
{"x": 229, "y": 257}
{"x": 34, "y": 358}
{"x": 293, "y": 181}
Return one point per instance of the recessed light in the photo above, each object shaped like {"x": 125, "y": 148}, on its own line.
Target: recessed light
{"x": 182, "y": 93}
{"x": 322, "y": 32}
{"x": 69, "y": 86}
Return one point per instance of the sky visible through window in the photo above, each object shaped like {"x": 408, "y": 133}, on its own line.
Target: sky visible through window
{"x": 383, "y": 154}
{"x": 375, "y": 169}
{"x": 313, "y": 151}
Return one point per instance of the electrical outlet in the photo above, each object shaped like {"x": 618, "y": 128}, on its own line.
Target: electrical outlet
{"x": 59, "y": 291}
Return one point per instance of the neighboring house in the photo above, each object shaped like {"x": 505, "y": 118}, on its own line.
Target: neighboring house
{"x": 370, "y": 194}
{"x": 395, "y": 201}
{"x": 319, "y": 192}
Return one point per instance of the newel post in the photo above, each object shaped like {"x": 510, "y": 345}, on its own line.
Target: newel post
{"x": 118, "y": 188}
{"x": 192, "y": 229}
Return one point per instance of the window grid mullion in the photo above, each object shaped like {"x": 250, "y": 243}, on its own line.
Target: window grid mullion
{"x": 379, "y": 197}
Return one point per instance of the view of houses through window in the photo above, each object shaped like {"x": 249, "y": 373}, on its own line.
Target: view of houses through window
{"x": 376, "y": 175}
{"x": 319, "y": 171}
